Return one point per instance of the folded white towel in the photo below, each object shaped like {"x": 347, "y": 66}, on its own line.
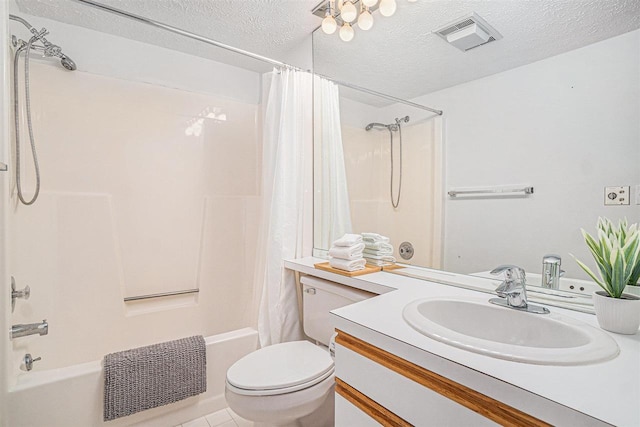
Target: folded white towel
{"x": 374, "y": 237}
{"x": 379, "y": 263}
{"x": 348, "y": 240}
{"x": 347, "y": 252}
{"x": 387, "y": 258}
{"x": 379, "y": 246}
{"x": 343, "y": 264}
{"x": 385, "y": 251}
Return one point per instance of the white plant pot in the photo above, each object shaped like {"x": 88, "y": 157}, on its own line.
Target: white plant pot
{"x": 619, "y": 315}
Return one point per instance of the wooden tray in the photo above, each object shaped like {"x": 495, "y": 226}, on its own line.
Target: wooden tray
{"x": 367, "y": 269}
{"x": 392, "y": 267}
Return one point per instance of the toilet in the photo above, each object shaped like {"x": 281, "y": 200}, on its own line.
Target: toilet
{"x": 292, "y": 383}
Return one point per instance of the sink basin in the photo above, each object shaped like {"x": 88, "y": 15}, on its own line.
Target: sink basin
{"x": 475, "y": 325}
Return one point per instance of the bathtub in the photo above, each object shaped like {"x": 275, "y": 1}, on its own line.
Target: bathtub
{"x": 73, "y": 396}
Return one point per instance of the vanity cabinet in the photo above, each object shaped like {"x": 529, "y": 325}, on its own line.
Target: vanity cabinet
{"x": 388, "y": 373}
{"x": 376, "y": 387}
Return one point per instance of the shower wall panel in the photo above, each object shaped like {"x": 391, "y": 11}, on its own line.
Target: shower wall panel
{"x": 367, "y": 160}
{"x": 145, "y": 189}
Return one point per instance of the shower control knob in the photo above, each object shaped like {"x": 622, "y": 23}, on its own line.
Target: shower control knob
{"x": 23, "y": 293}
{"x": 406, "y": 250}
{"x": 28, "y": 361}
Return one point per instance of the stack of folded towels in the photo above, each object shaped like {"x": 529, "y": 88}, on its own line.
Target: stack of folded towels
{"x": 377, "y": 251}
{"x": 346, "y": 253}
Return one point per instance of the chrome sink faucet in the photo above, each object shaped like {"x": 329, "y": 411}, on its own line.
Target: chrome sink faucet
{"x": 513, "y": 290}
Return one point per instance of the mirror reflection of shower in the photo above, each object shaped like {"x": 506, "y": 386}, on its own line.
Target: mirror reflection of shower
{"x": 39, "y": 43}
{"x": 393, "y": 127}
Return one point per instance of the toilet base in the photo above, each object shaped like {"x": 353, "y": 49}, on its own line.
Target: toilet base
{"x": 322, "y": 417}
{"x": 311, "y": 407}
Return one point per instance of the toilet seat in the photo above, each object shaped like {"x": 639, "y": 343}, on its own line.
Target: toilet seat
{"x": 279, "y": 369}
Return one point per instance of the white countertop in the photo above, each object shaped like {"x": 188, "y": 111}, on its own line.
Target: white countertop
{"x": 608, "y": 391}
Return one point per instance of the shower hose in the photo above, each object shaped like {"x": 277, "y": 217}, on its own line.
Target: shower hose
{"x": 16, "y": 107}
{"x": 395, "y": 202}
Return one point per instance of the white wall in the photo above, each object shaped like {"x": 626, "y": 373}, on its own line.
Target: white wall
{"x": 567, "y": 125}
{"x": 358, "y": 115}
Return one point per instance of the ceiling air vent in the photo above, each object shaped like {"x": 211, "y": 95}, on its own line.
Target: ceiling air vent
{"x": 468, "y": 32}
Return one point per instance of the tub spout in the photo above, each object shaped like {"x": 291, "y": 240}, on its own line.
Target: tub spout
{"x": 25, "y": 329}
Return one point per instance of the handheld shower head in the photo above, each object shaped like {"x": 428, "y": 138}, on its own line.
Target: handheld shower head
{"x": 372, "y": 125}
{"x": 67, "y": 63}
{"x": 47, "y": 48}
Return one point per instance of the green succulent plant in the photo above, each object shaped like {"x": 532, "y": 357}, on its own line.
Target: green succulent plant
{"x": 617, "y": 254}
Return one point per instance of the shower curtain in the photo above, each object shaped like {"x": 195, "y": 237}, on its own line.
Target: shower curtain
{"x": 286, "y": 139}
{"x": 334, "y": 196}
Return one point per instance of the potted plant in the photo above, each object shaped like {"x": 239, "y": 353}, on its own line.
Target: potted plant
{"x": 616, "y": 251}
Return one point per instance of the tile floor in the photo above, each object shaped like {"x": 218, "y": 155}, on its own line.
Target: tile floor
{"x": 223, "y": 418}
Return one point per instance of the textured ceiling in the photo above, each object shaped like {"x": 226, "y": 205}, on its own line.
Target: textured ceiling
{"x": 399, "y": 56}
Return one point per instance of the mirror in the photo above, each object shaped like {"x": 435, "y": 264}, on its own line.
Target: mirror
{"x": 531, "y": 109}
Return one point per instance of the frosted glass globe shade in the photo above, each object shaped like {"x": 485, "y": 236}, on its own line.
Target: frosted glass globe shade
{"x": 387, "y": 7}
{"x": 329, "y": 25}
{"x": 369, "y": 3}
{"x": 346, "y": 33}
{"x": 348, "y": 12}
{"x": 365, "y": 20}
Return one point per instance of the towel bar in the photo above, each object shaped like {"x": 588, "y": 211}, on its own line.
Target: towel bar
{"x": 160, "y": 295}
{"x": 490, "y": 191}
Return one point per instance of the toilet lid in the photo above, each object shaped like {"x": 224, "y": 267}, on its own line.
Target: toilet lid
{"x": 280, "y": 366}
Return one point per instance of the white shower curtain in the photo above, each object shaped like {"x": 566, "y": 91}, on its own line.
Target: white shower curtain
{"x": 286, "y": 140}
{"x": 334, "y": 196}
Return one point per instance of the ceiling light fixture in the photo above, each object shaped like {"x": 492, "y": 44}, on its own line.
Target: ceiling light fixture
{"x": 388, "y": 7}
{"x": 345, "y": 13}
{"x": 365, "y": 20}
{"x": 329, "y": 24}
{"x": 348, "y": 12}
{"x": 346, "y": 32}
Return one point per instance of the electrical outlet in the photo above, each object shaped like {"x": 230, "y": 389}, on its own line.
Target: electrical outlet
{"x": 617, "y": 195}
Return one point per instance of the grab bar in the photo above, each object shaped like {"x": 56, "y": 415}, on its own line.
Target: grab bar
{"x": 491, "y": 191}
{"x": 160, "y": 295}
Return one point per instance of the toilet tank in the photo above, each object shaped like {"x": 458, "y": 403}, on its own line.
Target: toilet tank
{"x": 319, "y": 298}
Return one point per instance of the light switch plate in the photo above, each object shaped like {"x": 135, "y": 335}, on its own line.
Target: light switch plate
{"x": 617, "y": 195}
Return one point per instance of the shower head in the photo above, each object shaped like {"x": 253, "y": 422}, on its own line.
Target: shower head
{"x": 372, "y": 125}
{"x": 68, "y": 63}
{"x": 391, "y": 127}
{"x": 47, "y": 48}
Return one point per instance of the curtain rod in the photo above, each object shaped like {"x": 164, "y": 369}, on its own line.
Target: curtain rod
{"x": 203, "y": 39}
{"x": 382, "y": 95}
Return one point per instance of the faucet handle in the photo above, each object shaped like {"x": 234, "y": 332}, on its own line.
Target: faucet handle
{"x": 24, "y": 293}
{"x": 28, "y": 361}
{"x": 513, "y": 286}
{"x": 510, "y": 271}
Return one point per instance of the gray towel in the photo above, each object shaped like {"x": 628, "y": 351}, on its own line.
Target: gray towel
{"x": 152, "y": 376}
